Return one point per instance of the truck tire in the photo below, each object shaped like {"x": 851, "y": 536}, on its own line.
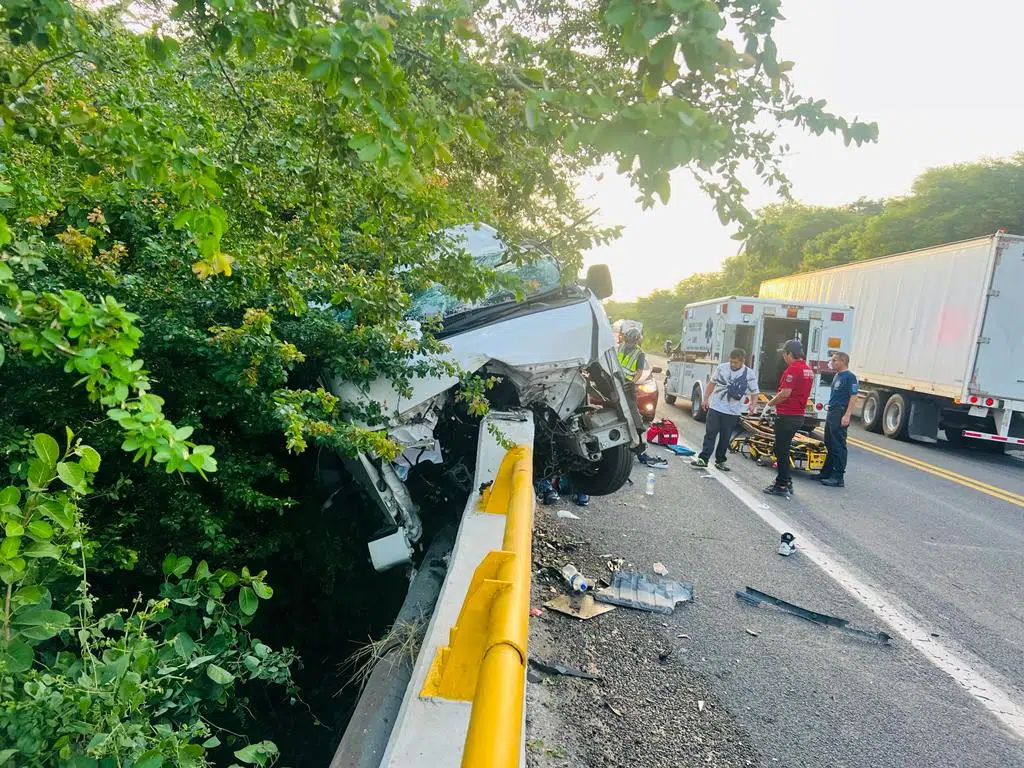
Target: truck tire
{"x": 608, "y": 475}
{"x": 696, "y": 400}
{"x": 871, "y": 415}
{"x": 896, "y": 417}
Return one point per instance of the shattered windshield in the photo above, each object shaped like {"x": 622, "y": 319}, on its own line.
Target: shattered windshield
{"x": 487, "y": 250}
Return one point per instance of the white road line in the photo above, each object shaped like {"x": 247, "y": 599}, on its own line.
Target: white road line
{"x": 995, "y": 699}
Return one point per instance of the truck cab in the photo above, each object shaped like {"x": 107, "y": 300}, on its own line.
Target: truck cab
{"x": 760, "y": 327}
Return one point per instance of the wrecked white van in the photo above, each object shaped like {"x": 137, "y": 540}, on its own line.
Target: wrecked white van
{"x": 552, "y": 352}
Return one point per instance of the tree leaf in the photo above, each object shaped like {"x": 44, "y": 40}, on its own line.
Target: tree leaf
{"x": 248, "y": 603}
{"x": 181, "y": 566}
{"x": 40, "y": 474}
{"x": 257, "y": 754}
{"x": 46, "y": 449}
{"x": 15, "y": 659}
{"x": 14, "y": 528}
{"x": 184, "y": 644}
{"x": 90, "y": 458}
{"x": 262, "y": 590}
{"x": 6, "y": 754}
{"x": 168, "y": 564}
{"x": 150, "y": 759}
{"x": 9, "y": 495}
{"x": 219, "y": 675}
{"x": 71, "y": 474}
{"x": 40, "y": 529}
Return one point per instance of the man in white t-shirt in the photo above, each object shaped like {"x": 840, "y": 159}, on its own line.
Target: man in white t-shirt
{"x": 733, "y": 387}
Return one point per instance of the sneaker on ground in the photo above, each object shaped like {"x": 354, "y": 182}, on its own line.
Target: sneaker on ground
{"x": 833, "y": 482}
{"x": 653, "y": 461}
{"x": 581, "y": 499}
{"x": 551, "y": 497}
{"x": 721, "y": 466}
{"x": 699, "y": 462}
{"x": 779, "y": 490}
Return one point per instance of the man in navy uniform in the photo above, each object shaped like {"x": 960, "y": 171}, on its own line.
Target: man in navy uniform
{"x": 840, "y": 407}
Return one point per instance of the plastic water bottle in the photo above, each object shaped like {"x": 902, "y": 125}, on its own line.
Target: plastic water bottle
{"x": 649, "y": 490}
{"x": 574, "y": 578}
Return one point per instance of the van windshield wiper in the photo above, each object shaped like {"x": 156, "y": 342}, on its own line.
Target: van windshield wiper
{"x": 494, "y": 312}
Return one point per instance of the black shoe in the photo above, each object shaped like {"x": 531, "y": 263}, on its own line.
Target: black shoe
{"x": 833, "y": 482}
{"x": 721, "y": 467}
{"x": 822, "y": 477}
{"x": 779, "y": 490}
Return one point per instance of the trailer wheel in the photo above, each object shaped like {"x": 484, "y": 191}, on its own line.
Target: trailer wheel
{"x": 896, "y": 417}
{"x": 696, "y": 400}
{"x": 871, "y": 415}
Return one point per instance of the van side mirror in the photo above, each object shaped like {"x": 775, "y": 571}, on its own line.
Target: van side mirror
{"x": 599, "y": 280}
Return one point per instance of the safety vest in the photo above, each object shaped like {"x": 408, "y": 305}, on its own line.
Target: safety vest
{"x": 628, "y": 360}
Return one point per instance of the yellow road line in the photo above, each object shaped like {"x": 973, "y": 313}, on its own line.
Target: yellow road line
{"x": 967, "y": 482}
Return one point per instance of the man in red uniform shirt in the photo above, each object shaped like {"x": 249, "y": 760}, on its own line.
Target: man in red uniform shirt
{"x": 789, "y": 402}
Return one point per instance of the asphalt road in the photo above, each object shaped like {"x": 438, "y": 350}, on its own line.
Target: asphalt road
{"x": 930, "y": 534}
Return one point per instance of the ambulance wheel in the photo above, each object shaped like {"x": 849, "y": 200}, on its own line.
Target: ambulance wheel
{"x": 696, "y": 400}
{"x": 670, "y": 399}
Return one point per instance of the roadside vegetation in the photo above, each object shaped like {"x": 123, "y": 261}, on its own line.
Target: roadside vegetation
{"x": 210, "y": 207}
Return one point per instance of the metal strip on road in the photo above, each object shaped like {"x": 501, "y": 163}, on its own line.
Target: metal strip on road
{"x": 964, "y": 670}
{"x": 968, "y": 482}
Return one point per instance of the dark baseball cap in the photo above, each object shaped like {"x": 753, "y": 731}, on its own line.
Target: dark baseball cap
{"x": 795, "y": 348}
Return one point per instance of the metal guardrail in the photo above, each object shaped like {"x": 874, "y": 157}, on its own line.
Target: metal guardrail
{"x": 485, "y": 659}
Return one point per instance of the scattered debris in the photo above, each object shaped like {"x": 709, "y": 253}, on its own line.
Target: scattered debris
{"x": 700, "y": 706}
{"x": 533, "y": 676}
{"x": 679, "y": 450}
{"x": 587, "y": 608}
{"x": 756, "y": 597}
{"x": 536, "y": 612}
{"x": 552, "y": 590}
{"x": 565, "y": 514}
{"x": 786, "y": 545}
{"x": 612, "y": 708}
{"x": 660, "y": 569}
{"x": 683, "y": 636}
{"x": 616, "y": 564}
{"x": 752, "y": 633}
{"x": 553, "y": 668}
{"x": 574, "y": 578}
{"x": 634, "y": 590}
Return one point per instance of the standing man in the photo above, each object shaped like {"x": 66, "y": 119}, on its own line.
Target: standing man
{"x": 634, "y": 363}
{"x": 790, "y": 404}
{"x": 732, "y": 385}
{"x": 840, "y": 407}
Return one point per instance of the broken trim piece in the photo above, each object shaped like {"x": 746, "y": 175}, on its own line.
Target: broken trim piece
{"x": 756, "y": 597}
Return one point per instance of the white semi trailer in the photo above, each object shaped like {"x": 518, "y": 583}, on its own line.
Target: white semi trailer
{"x": 939, "y": 337}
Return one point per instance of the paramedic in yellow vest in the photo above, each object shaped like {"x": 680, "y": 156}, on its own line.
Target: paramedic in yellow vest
{"x": 634, "y": 364}
{"x": 631, "y": 356}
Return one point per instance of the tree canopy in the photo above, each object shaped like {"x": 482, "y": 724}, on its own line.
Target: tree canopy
{"x": 945, "y": 204}
{"x": 207, "y": 208}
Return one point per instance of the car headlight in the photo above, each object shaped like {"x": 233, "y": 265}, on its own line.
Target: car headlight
{"x": 648, "y": 387}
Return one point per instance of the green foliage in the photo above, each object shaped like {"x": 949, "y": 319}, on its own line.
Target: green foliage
{"x": 945, "y": 205}
{"x": 247, "y": 195}
{"x": 130, "y": 686}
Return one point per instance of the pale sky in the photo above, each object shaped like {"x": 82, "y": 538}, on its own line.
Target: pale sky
{"x": 941, "y": 79}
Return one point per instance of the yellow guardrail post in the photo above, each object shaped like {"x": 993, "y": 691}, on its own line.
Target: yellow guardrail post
{"x": 485, "y": 660}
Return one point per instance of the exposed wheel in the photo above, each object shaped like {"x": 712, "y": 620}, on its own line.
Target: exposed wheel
{"x": 872, "y": 413}
{"x": 607, "y": 475}
{"x": 670, "y": 399}
{"x": 698, "y": 413}
{"x": 896, "y": 417}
